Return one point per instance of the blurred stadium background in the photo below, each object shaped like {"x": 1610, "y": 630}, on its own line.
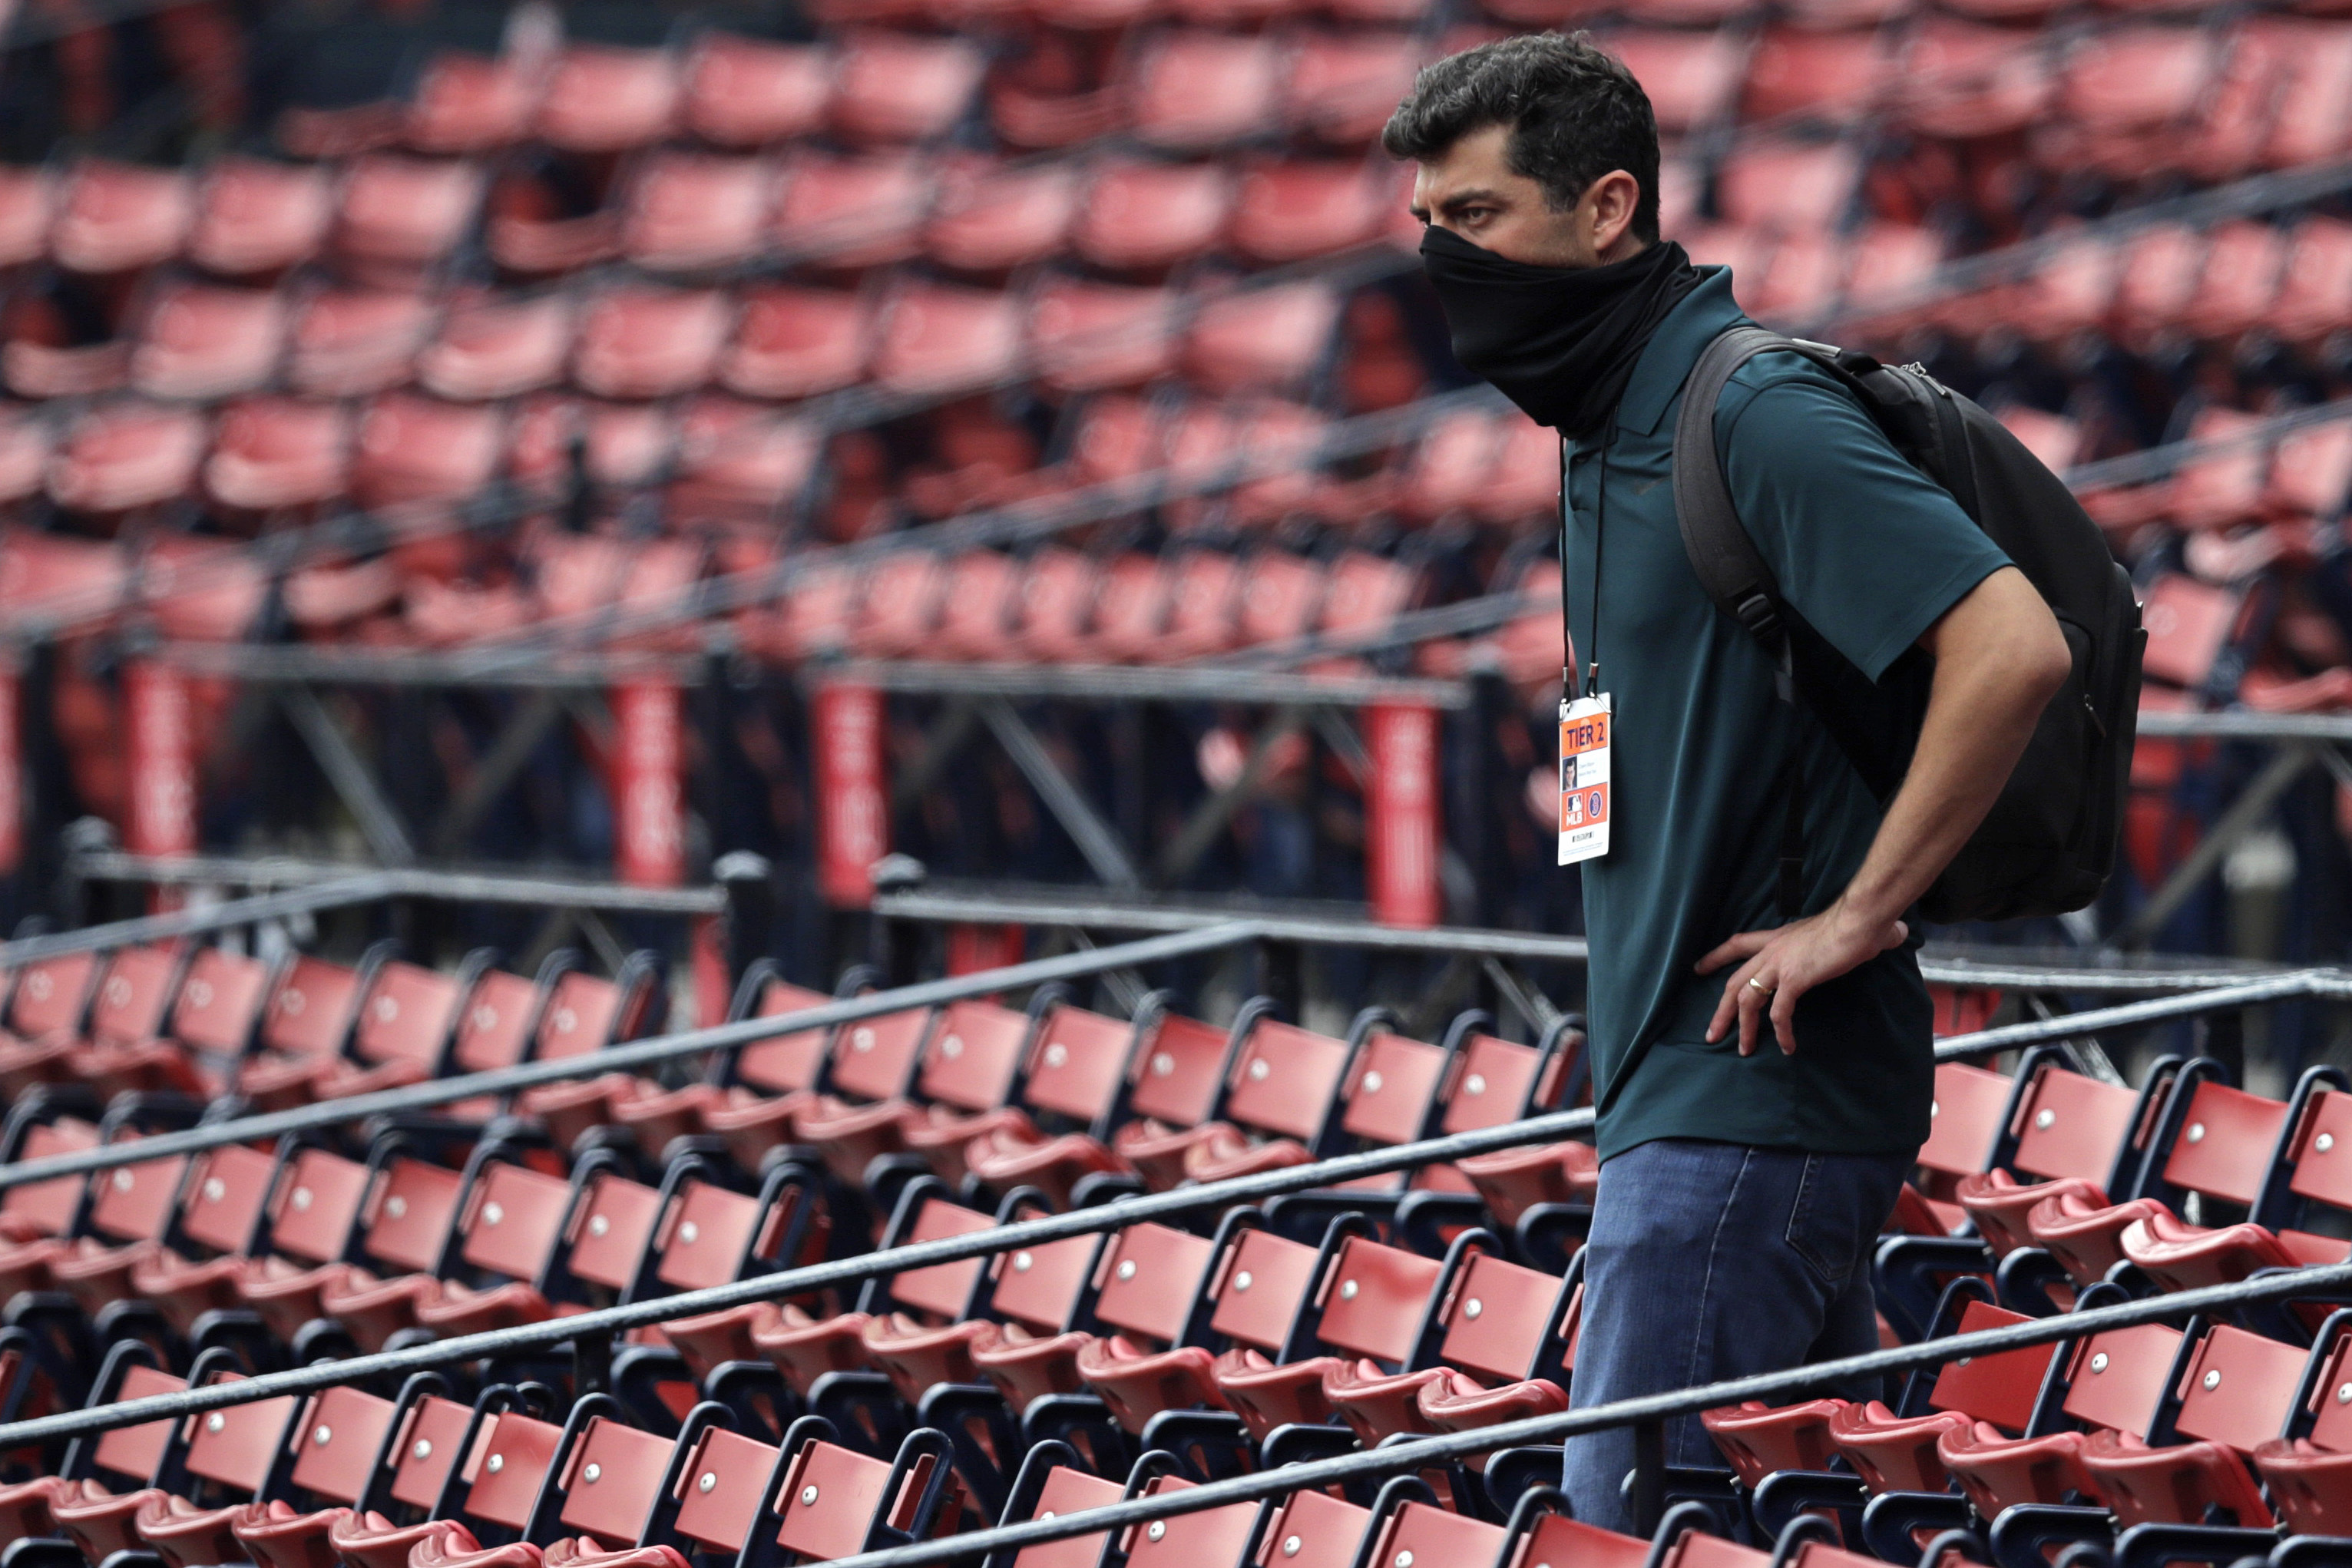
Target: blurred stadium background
{"x": 1014, "y": 434}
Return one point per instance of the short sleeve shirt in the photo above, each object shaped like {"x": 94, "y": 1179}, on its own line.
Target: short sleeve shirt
{"x": 1871, "y": 553}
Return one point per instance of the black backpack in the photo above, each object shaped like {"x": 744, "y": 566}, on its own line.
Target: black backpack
{"x": 2049, "y": 842}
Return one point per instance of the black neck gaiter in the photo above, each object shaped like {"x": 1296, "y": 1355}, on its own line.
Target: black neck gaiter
{"x": 1560, "y": 341}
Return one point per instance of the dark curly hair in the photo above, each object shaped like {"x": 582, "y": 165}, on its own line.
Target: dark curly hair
{"x": 1574, "y": 113}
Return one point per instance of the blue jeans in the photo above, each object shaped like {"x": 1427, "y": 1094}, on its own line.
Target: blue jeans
{"x": 1715, "y": 1261}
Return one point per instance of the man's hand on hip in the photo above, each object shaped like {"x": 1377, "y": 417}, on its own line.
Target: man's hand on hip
{"x": 1782, "y": 966}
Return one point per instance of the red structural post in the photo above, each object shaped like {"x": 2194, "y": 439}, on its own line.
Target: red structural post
{"x": 12, "y": 772}
{"x": 1401, "y": 836}
{"x": 648, "y": 784}
{"x": 853, "y": 802}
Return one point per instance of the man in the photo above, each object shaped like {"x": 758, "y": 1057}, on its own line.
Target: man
{"x": 1762, "y": 1087}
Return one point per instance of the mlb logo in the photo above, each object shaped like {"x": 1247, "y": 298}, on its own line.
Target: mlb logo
{"x": 1571, "y": 809}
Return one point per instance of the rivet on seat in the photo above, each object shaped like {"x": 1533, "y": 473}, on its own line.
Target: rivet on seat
{"x": 1242, "y": 1280}
{"x": 1127, "y": 1269}
{"x": 689, "y": 1233}
{"x": 808, "y": 1496}
{"x": 1475, "y": 1084}
{"x": 1047, "y": 1515}
{"x": 953, "y": 1047}
{"x": 593, "y": 1474}
{"x": 396, "y": 1206}
{"x": 2197, "y": 1133}
{"x": 301, "y": 1200}
{"x": 2324, "y": 1142}
{"x": 2044, "y": 1118}
{"x": 214, "y": 1190}
{"x": 492, "y": 1214}
{"x": 2344, "y": 1394}
{"x": 1473, "y": 1307}
{"x": 2099, "y": 1361}
{"x": 1162, "y": 1064}
{"x": 2212, "y": 1380}
{"x": 1260, "y": 1071}
{"x": 497, "y": 1462}
{"x": 1290, "y": 1544}
{"x": 1934, "y": 1109}
{"x": 322, "y": 1437}
{"x": 216, "y": 1421}
{"x": 423, "y": 1451}
{"x": 710, "y": 1479}
{"x": 1348, "y": 1291}
{"x": 1022, "y": 1263}
{"x": 1404, "y": 1560}
{"x": 861, "y": 1040}
{"x": 1056, "y": 1055}
{"x": 1372, "y": 1082}
{"x": 124, "y": 1181}
{"x": 598, "y": 1224}
{"x": 1158, "y": 1528}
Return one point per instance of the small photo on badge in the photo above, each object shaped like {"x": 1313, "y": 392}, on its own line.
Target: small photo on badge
{"x": 1567, "y": 774}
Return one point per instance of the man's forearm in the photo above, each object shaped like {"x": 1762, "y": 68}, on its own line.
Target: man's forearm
{"x": 2000, "y": 657}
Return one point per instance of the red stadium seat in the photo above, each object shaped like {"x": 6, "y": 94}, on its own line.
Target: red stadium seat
{"x": 347, "y": 342}
{"x": 1342, "y": 86}
{"x": 748, "y": 92}
{"x": 601, "y": 99}
{"x": 1691, "y": 78}
{"x": 203, "y": 343}
{"x": 854, "y": 212}
{"x": 125, "y": 455}
{"x": 650, "y": 342}
{"x": 119, "y": 218}
{"x": 940, "y": 338}
{"x": 992, "y": 219}
{"x": 411, "y": 449}
{"x": 469, "y": 103}
{"x": 1146, "y": 217}
{"x": 1291, "y": 210}
{"x": 401, "y": 216}
{"x": 257, "y": 218}
{"x": 691, "y": 212}
{"x": 1085, "y": 336}
{"x": 1198, "y": 89}
{"x": 498, "y": 346}
{"x": 797, "y": 342}
{"x": 890, "y": 87}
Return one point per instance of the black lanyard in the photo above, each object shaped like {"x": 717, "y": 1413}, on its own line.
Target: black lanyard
{"x": 1599, "y": 524}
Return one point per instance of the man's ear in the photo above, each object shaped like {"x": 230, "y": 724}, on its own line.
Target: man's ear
{"x": 1608, "y": 207}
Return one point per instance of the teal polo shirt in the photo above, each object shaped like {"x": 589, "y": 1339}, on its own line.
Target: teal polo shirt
{"x": 1871, "y": 553}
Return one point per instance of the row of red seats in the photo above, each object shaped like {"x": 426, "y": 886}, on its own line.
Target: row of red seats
{"x": 392, "y": 221}
{"x": 195, "y": 341}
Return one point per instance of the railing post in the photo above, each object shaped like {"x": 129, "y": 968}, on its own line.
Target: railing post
{"x": 747, "y": 931}
{"x": 1648, "y": 1487}
{"x": 1281, "y": 975}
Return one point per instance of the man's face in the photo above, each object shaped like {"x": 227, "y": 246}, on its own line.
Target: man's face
{"x": 1470, "y": 189}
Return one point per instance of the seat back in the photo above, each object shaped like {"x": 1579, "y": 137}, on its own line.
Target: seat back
{"x": 310, "y": 1008}
{"x": 1557, "y": 1538}
{"x": 580, "y": 1017}
{"x": 133, "y": 996}
{"x": 1147, "y": 1278}
{"x": 1431, "y": 1534}
{"x": 133, "y": 1203}
{"x": 1036, "y": 1287}
{"x": 407, "y": 1017}
{"x": 1315, "y": 1530}
{"x": 1489, "y": 1084}
{"x": 873, "y": 1057}
{"x": 512, "y": 1220}
{"x": 1389, "y": 1093}
{"x": 50, "y": 995}
{"x": 1375, "y": 1299}
{"x": 2068, "y": 1124}
{"x": 221, "y": 1201}
{"x": 1069, "y": 1489}
{"x": 236, "y": 1444}
{"x": 1966, "y": 1117}
{"x": 1205, "y": 1535}
{"x": 609, "y": 1227}
{"x": 784, "y": 1062}
{"x": 135, "y": 1451}
{"x": 426, "y": 1447}
{"x": 509, "y": 1462}
{"x": 407, "y": 1213}
{"x": 2321, "y": 1154}
{"x": 49, "y": 1206}
{"x": 2240, "y": 1388}
{"x": 2118, "y": 1379}
{"x": 1075, "y": 1063}
{"x": 942, "y": 1289}
{"x": 315, "y": 1203}
{"x": 1283, "y": 1080}
{"x": 611, "y": 1479}
{"x": 1496, "y": 1317}
{"x": 2223, "y": 1142}
{"x": 972, "y": 1055}
{"x": 830, "y": 1500}
{"x": 2000, "y": 1388}
{"x": 336, "y": 1440}
{"x": 721, "y": 1488}
{"x": 497, "y": 1022}
{"x": 1175, "y": 1074}
{"x": 705, "y": 1231}
{"x": 219, "y": 1001}
{"x": 1259, "y": 1286}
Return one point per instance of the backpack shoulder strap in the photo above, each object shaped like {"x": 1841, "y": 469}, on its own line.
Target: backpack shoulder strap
{"x": 1727, "y": 563}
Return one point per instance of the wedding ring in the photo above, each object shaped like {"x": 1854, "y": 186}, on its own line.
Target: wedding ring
{"x": 1756, "y": 984}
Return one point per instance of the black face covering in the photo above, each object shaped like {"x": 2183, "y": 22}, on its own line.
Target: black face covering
{"x": 1560, "y": 341}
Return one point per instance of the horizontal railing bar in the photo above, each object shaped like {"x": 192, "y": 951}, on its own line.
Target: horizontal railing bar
{"x": 536, "y": 888}
{"x": 650, "y": 1052}
{"x": 1119, "y": 682}
{"x": 354, "y": 890}
{"x": 1401, "y": 1458}
{"x": 2240, "y": 724}
{"x": 1330, "y": 1172}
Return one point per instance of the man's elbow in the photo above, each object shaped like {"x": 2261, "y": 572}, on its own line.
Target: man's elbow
{"x": 2043, "y": 660}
